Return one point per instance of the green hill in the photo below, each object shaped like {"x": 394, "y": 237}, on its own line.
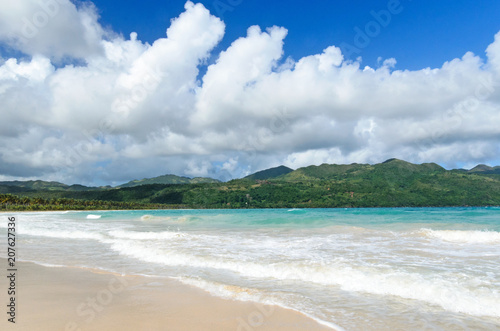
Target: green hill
{"x": 484, "y": 169}
{"x": 40, "y": 185}
{"x": 35, "y": 185}
{"x": 269, "y": 173}
{"x": 394, "y": 168}
{"x": 168, "y": 179}
{"x": 325, "y": 171}
{"x": 393, "y": 183}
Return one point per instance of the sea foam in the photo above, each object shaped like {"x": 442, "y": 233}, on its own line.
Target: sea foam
{"x": 437, "y": 290}
{"x": 469, "y": 237}
{"x": 247, "y": 294}
{"x": 62, "y": 234}
{"x": 123, "y": 234}
{"x": 346, "y": 267}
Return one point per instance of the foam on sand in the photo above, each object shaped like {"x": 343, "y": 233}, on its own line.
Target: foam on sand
{"x": 133, "y": 304}
{"x": 466, "y": 237}
{"x": 246, "y": 294}
{"x": 164, "y": 235}
{"x": 462, "y": 297}
{"x": 61, "y": 234}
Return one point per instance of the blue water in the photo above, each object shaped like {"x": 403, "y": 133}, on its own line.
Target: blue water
{"x": 356, "y": 269}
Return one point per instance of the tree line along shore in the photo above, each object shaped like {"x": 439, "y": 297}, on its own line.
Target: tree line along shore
{"x": 394, "y": 183}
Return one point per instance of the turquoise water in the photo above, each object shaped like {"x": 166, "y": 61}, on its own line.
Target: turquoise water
{"x": 369, "y": 269}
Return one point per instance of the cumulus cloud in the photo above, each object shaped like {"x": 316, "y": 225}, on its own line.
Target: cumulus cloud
{"x": 132, "y": 109}
{"x": 53, "y": 28}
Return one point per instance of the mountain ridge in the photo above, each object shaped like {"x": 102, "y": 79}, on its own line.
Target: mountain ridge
{"x": 269, "y": 173}
{"x": 394, "y": 183}
{"x": 168, "y": 179}
{"x": 483, "y": 168}
{"x": 312, "y": 172}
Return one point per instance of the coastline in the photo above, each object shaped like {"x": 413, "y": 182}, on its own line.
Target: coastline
{"x": 66, "y": 298}
{"x": 241, "y": 208}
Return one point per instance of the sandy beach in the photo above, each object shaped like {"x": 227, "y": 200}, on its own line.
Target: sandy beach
{"x": 57, "y": 298}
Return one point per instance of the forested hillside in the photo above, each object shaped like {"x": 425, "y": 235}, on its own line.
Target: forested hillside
{"x": 394, "y": 183}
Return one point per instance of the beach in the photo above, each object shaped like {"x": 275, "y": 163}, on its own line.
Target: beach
{"x": 63, "y": 298}
{"x": 269, "y": 269}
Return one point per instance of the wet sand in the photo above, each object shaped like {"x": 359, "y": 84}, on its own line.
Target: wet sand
{"x": 53, "y": 298}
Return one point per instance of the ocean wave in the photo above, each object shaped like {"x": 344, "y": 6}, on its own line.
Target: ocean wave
{"x": 467, "y": 237}
{"x": 148, "y": 218}
{"x": 135, "y": 235}
{"x": 44, "y": 264}
{"x": 62, "y": 234}
{"x": 180, "y": 219}
{"x": 461, "y": 297}
{"x": 227, "y": 291}
{"x": 93, "y": 217}
{"x": 247, "y": 294}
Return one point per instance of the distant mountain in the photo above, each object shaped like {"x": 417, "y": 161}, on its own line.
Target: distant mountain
{"x": 36, "y": 185}
{"x": 78, "y": 187}
{"x": 400, "y": 165}
{"x": 169, "y": 179}
{"x": 40, "y": 185}
{"x": 486, "y": 170}
{"x": 390, "y": 168}
{"x": 324, "y": 171}
{"x": 269, "y": 173}
{"x": 393, "y": 183}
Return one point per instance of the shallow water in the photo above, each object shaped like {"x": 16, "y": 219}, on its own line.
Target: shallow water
{"x": 369, "y": 269}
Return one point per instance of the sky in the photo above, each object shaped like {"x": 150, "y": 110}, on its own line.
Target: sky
{"x": 103, "y": 92}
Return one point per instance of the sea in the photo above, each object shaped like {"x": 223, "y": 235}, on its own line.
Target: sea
{"x": 349, "y": 269}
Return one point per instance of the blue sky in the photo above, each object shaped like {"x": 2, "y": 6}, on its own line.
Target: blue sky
{"x": 225, "y": 88}
{"x": 424, "y": 34}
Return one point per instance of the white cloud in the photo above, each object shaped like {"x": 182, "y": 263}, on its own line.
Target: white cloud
{"x": 493, "y": 53}
{"x": 229, "y": 82}
{"x": 53, "y": 28}
{"x": 135, "y": 110}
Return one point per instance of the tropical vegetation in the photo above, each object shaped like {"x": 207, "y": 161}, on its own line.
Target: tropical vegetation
{"x": 393, "y": 183}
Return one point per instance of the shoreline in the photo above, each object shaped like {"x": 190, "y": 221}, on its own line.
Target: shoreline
{"x": 278, "y": 208}
{"x": 73, "y": 298}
